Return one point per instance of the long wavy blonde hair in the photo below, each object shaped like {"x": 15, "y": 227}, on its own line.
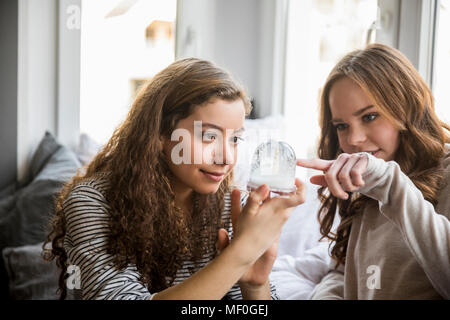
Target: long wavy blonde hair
{"x": 147, "y": 228}
{"x": 402, "y": 96}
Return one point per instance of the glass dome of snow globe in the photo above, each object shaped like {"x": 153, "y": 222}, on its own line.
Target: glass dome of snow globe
{"x": 273, "y": 164}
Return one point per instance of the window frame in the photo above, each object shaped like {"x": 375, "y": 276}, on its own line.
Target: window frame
{"x": 399, "y": 28}
{"x": 412, "y": 30}
{"x": 69, "y": 68}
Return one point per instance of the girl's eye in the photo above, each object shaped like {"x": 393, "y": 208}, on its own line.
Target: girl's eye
{"x": 209, "y": 137}
{"x": 236, "y": 140}
{"x": 369, "y": 117}
{"x": 340, "y": 126}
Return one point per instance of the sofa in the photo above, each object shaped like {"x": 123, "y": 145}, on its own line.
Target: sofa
{"x": 25, "y": 210}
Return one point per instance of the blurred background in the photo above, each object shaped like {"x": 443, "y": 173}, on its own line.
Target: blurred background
{"x": 73, "y": 67}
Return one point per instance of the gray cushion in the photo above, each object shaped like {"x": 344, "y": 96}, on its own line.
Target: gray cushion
{"x": 24, "y": 222}
{"x": 30, "y": 276}
{"x": 8, "y": 191}
{"x": 87, "y": 149}
{"x": 47, "y": 147}
{"x": 24, "y": 214}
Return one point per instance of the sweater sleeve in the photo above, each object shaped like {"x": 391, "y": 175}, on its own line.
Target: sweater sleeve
{"x": 331, "y": 287}
{"x": 86, "y": 247}
{"x": 426, "y": 232}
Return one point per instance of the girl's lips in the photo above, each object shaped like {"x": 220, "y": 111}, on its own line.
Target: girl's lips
{"x": 216, "y": 177}
{"x": 374, "y": 153}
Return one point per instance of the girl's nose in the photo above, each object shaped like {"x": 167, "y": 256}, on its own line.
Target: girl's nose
{"x": 224, "y": 154}
{"x": 356, "y": 136}
{"x": 229, "y": 153}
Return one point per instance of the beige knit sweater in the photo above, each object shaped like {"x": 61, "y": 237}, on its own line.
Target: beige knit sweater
{"x": 398, "y": 249}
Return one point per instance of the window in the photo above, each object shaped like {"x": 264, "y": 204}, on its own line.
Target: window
{"x": 320, "y": 32}
{"x": 442, "y": 62}
{"x": 123, "y": 45}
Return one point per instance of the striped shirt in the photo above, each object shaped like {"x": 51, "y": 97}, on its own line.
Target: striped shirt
{"x": 86, "y": 243}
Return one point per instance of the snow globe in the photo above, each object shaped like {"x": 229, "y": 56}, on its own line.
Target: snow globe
{"x": 273, "y": 164}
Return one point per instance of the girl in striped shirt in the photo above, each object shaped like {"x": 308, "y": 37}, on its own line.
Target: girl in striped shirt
{"x": 152, "y": 217}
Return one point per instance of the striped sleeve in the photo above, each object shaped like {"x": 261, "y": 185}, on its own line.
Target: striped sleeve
{"x": 87, "y": 223}
{"x": 86, "y": 244}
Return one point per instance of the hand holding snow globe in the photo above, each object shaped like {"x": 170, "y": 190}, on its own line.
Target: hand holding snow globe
{"x": 273, "y": 164}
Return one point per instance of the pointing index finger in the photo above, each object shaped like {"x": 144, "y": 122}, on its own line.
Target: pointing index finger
{"x": 317, "y": 164}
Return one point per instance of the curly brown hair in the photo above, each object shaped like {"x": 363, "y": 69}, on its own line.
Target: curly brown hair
{"x": 402, "y": 96}
{"x": 147, "y": 228}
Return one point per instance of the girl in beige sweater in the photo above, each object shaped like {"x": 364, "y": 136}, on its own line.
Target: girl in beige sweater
{"x": 386, "y": 171}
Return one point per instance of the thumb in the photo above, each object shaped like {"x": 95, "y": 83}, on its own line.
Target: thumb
{"x": 255, "y": 198}
{"x": 319, "y": 180}
{"x": 223, "y": 240}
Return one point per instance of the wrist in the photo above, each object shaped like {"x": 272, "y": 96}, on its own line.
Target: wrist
{"x": 253, "y": 287}
{"x": 243, "y": 254}
{"x": 255, "y": 291}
